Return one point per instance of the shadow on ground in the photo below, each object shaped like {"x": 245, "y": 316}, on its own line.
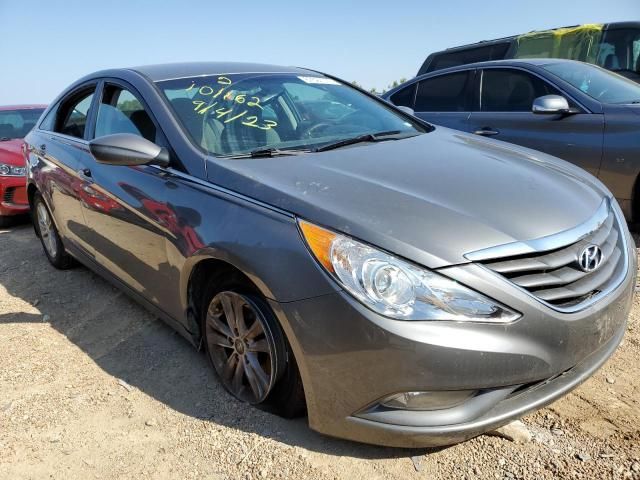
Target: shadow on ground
{"x": 130, "y": 344}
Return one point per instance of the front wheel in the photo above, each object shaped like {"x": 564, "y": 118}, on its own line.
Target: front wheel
{"x": 248, "y": 350}
{"x": 49, "y": 236}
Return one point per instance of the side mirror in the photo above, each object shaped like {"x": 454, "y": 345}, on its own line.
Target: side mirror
{"x": 126, "y": 149}
{"x": 551, "y": 105}
{"x": 406, "y": 109}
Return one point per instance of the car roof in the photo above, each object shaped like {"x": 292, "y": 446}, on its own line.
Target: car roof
{"x": 34, "y": 106}
{"x": 508, "y": 62}
{"x": 512, "y": 62}
{"x": 538, "y": 62}
{"x": 169, "y": 71}
{"x": 511, "y": 38}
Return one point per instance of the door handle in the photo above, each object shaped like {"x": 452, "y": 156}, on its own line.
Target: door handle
{"x": 42, "y": 149}
{"x": 486, "y": 132}
{"x": 85, "y": 174}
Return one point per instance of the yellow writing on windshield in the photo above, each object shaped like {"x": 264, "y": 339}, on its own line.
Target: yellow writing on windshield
{"x": 209, "y": 103}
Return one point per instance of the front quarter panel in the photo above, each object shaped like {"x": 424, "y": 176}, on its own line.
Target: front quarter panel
{"x": 265, "y": 244}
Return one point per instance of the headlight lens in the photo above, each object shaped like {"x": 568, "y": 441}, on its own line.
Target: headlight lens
{"x": 396, "y": 288}
{"x": 12, "y": 171}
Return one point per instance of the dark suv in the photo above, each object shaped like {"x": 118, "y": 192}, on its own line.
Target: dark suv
{"x": 614, "y": 46}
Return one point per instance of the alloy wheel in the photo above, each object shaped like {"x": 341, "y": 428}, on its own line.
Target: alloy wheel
{"x": 47, "y": 230}
{"x": 241, "y": 346}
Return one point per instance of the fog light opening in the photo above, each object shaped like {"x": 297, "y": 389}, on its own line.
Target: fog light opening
{"x": 435, "y": 400}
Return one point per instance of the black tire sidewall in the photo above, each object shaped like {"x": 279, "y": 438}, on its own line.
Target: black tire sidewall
{"x": 61, "y": 260}
{"x": 286, "y": 399}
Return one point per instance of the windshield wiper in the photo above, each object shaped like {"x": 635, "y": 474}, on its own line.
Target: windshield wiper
{"x": 367, "y": 137}
{"x": 268, "y": 152}
{"x": 4, "y": 139}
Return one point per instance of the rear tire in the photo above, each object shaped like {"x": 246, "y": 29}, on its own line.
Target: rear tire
{"x": 49, "y": 236}
{"x": 249, "y": 351}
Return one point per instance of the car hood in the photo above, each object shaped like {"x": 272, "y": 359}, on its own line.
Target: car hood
{"x": 11, "y": 152}
{"x": 431, "y": 198}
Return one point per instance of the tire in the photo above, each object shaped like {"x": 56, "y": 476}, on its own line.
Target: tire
{"x": 49, "y": 236}
{"x": 258, "y": 344}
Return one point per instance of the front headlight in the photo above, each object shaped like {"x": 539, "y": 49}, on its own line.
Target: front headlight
{"x": 12, "y": 171}
{"x": 396, "y": 288}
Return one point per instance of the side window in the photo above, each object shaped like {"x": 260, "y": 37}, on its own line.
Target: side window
{"x": 620, "y": 50}
{"x": 445, "y": 93}
{"x": 511, "y": 90}
{"x": 121, "y": 112}
{"x": 49, "y": 121}
{"x": 496, "y": 51}
{"x": 72, "y": 115}
{"x": 404, "y": 97}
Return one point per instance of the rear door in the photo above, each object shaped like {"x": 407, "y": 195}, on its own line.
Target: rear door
{"x": 503, "y": 111}
{"x": 60, "y": 147}
{"x": 445, "y": 99}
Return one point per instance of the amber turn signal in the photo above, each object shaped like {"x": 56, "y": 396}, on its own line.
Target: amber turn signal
{"x": 319, "y": 241}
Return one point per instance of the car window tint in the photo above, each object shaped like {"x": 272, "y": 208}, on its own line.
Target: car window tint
{"x": 470, "y": 55}
{"x": 511, "y": 90}
{"x": 49, "y": 121}
{"x": 17, "y": 123}
{"x": 445, "y": 93}
{"x": 619, "y": 51}
{"x": 121, "y": 112}
{"x": 72, "y": 117}
{"x": 404, "y": 97}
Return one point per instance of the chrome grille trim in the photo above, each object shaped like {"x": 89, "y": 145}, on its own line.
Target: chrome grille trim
{"x": 550, "y": 242}
{"x": 554, "y": 277}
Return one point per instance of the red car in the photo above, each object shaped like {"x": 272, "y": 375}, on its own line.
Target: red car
{"x": 15, "y": 122}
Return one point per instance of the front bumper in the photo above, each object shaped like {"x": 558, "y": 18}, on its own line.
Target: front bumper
{"x": 13, "y": 196}
{"x": 350, "y": 358}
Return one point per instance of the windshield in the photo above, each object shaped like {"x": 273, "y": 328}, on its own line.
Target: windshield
{"x": 239, "y": 113}
{"x": 17, "y": 123}
{"x": 604, "y": 86}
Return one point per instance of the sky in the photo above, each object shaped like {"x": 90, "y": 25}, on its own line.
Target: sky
{"x": 46, "y": 45}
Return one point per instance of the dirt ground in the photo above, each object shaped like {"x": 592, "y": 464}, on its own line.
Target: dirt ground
{"x": 93, "y": 386}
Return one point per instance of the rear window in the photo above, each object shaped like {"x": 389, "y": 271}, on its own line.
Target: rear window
{"x": 17, "y": 123}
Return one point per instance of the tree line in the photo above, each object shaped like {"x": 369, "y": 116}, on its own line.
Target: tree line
{"x": 375, "y": 91}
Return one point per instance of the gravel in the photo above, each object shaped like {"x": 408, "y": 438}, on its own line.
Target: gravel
{"x": 101, "y": 389}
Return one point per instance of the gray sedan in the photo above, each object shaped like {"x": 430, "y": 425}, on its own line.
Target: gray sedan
{"x": 576, "y": 111}
{"x": 405, "y": 285}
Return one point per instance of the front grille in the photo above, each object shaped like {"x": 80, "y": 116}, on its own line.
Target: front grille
{"x": 556, "y": 277}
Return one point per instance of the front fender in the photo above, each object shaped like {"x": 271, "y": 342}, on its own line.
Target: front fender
{"x": 263, "y": 243}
